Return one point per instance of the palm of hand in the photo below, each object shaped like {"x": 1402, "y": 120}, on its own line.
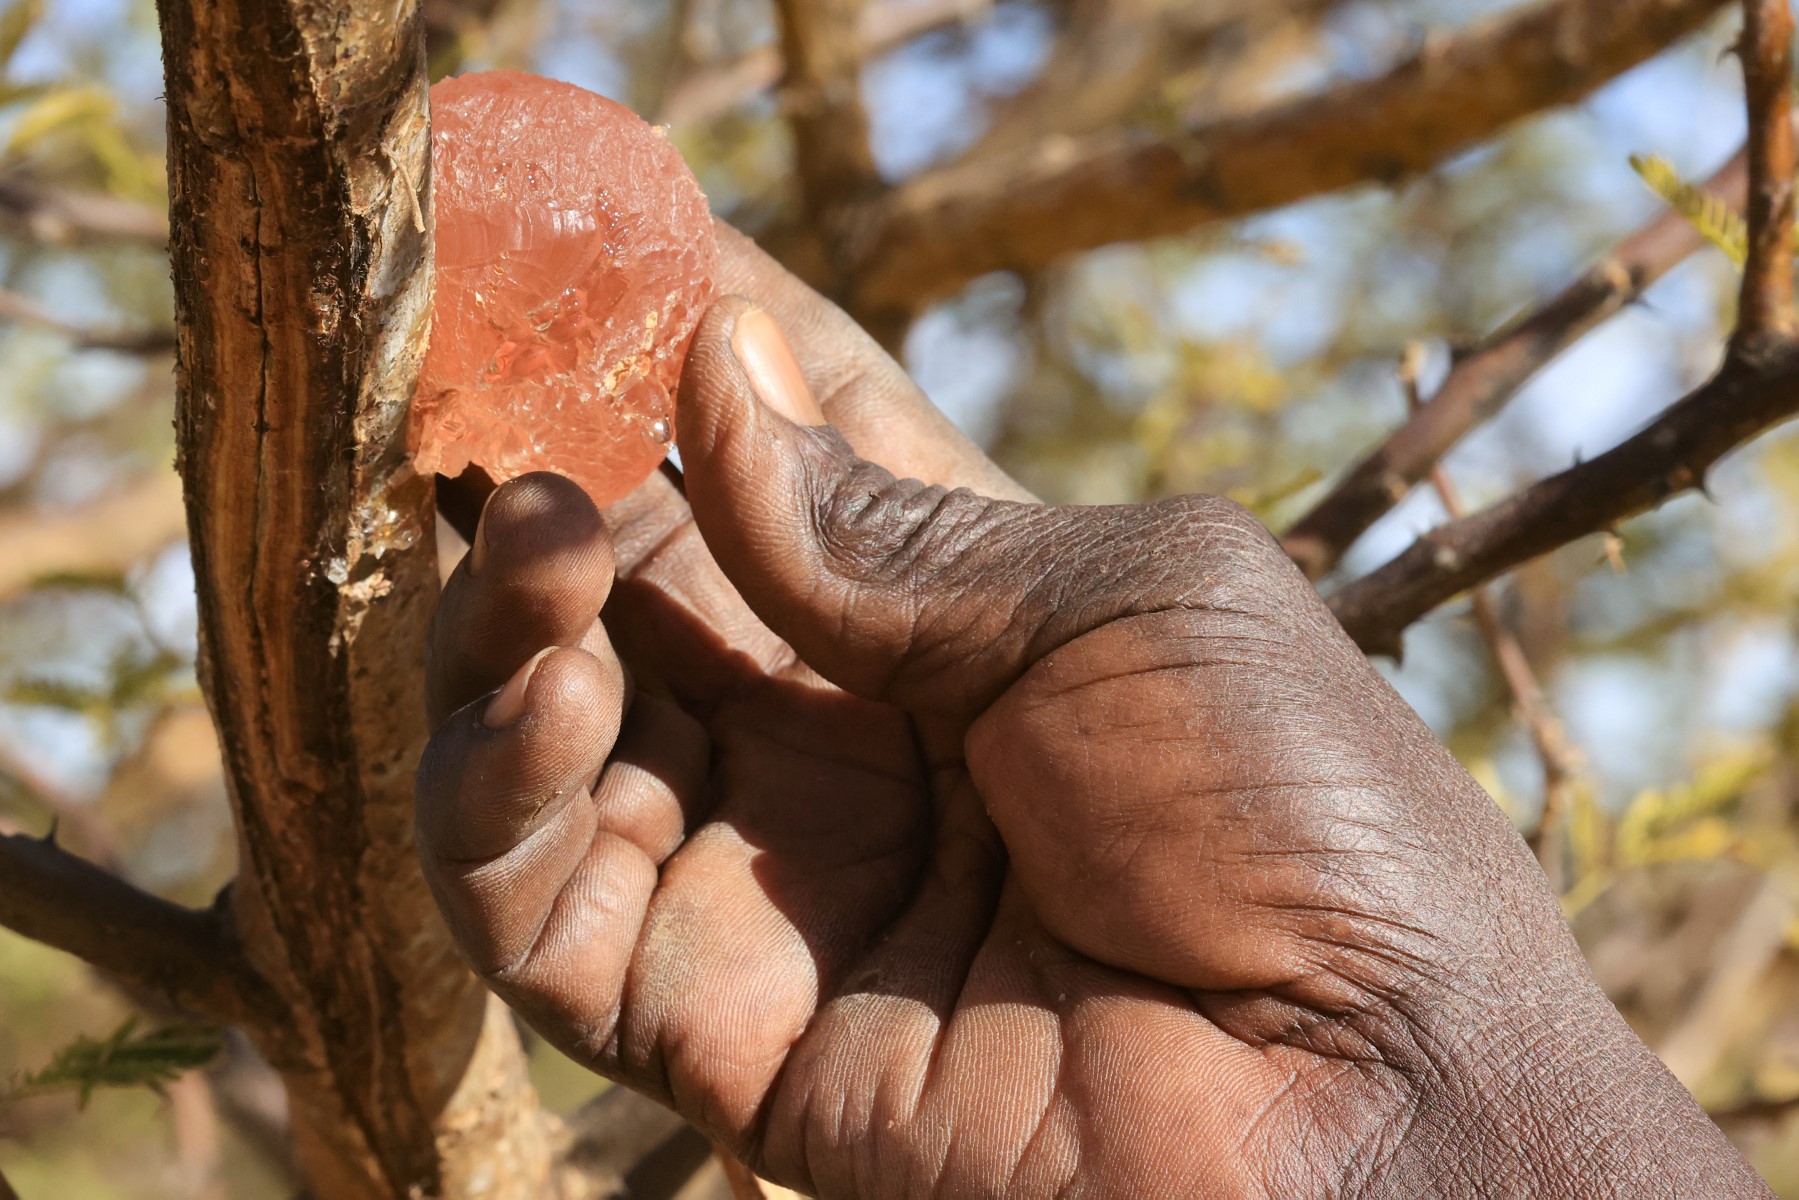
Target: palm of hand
{"x": 787, "y": 910}
{"x": 837, "y": 971}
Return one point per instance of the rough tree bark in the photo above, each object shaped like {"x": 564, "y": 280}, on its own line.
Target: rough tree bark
{"x": 298, "y": 169}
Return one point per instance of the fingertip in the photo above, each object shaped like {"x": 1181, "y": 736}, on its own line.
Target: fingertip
{"x": 539, "y": 569}
{"x": 714, "y": 393}
{"x": 570, "y": 689}
{"x": 775, "y": 376}
{"x": 508, "y": 704}
{"x": 508, "y": 764}
{"x": 740, "y": 372}
{"x": 537, "y": 515}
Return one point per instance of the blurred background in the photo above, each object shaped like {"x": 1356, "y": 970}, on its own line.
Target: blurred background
{"x": 1256, "y": 358}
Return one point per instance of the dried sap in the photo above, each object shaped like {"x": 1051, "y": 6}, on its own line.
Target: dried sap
{"x": 575, "y": 255}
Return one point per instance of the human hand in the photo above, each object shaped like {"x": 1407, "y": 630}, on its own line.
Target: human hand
{"x": 949, "y": 843}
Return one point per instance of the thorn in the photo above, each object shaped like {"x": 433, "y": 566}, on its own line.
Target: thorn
{"x": 1613, "y": 548}
{"x": 49, "y": 838}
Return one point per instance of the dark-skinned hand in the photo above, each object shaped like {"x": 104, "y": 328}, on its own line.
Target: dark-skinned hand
{"x": 912, "y": 838}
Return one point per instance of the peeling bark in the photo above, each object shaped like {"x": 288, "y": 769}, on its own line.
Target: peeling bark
{"x": 298, "y": 154}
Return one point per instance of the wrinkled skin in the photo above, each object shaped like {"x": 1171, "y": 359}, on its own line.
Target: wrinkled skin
{"x": 939, "y": 842}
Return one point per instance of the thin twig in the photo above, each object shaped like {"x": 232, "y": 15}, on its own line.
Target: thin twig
{"x": 182, "y": 956}
{"x": 1767, "y": 53}
{"x": 821, "y": 45}
{"x": 621, "y": 1135}
{"x": 1755, "y": 941}
{"x": 26, "y": 311}
{"x": 1118, "y": 61}
{"x": 108, "y": 535}
{"x": 252, "y": 1101}
{"x": 740, "y": 1179}
{"x": 1754, "y": 1112}
{"x": 195, "y": 1121}
{"x": 745, "y": 1184}
{"x": 1484, "y": 379}
{"x": 1745, "y": 398}
{"x": 62, "y": 216}
{"x": 1755, "y": 389}
{"x": 1561, "y": 761}
{"x": 93, "y": 835}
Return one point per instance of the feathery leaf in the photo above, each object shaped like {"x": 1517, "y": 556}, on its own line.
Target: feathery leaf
{"x": 1715, "y": 220}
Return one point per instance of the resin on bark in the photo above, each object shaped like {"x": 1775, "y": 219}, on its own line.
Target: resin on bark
{"x": 575, "y": 256}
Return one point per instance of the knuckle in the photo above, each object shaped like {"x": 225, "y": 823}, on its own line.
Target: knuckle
{"x": 1216, "y": 524}
{"x": 875, "y": 529}
{"x": 1227, "y": 556}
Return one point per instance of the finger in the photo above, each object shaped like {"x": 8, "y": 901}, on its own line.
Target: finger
{"x": 538, "y": 569}
{"x": 653, "y": 785}
{"x": 503, "y": 809}
{"x": 865, "y": 393}
{"x": 897, "y": 590}
{"x": 674, "y": 615}
{"x": 693, "y": 632}
{"x": 543, "y": 886}
{"x": 815, "y": 845}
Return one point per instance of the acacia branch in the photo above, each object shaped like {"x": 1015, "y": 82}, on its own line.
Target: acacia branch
{"x": 1483, "y": 380}
{"x": 1560, "y": 760}
{"x": 1021, "y": 212}
{"x": 1756, "y": 388}
{"x": 26, "y": 311}
{"x": 821, "y": 44}
{"x": 1767, "y": 53}
{"x": 92, "y": 834}
{"x": 1751, "y": 393}
{"x": 1753, "y": 1112}
{"x": 63, "y": 216}
{"x": 183, "y": 956}
{"x": 299, "y": 169}
{"x": 1116, "y": 58}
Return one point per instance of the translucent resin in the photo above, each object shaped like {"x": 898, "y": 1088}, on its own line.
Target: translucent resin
{"x": 575, "y": 255}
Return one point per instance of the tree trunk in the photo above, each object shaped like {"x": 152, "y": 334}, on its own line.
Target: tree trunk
{"x": 299, "y": 173}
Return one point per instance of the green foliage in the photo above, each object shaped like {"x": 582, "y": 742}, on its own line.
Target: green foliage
{"x": 1715, "y": 220}
{"x": 133, "y": 680}
{"x": 15, "y": 23}
{"x": 124, "y": 1059}
{"x": 1689, "y": 821}
{"x": 114, "y": 582}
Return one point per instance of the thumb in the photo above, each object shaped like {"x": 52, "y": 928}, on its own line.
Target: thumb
{"x": 896, "y": 590}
